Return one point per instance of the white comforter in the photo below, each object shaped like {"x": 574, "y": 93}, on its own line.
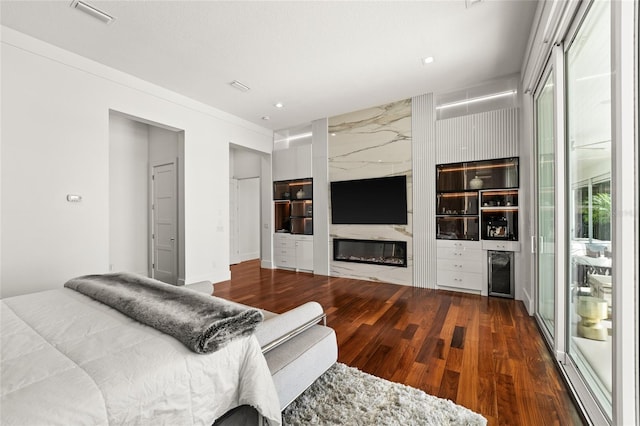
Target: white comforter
{"x": 67, "y": 359}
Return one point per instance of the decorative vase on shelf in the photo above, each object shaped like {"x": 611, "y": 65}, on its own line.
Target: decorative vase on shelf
{"x": 300, "y": 194}
{"x": 476, "y": 183}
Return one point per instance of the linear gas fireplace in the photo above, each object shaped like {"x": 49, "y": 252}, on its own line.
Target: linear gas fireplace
{"x": 391, "y": 253}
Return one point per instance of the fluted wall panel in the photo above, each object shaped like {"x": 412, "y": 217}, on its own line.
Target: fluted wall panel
{"x": 319, "y": 155}
{"x": 454, "y": 139}
{"x": 423, "y": 163}
{"x": 496, "y": 134}
{"x": 482, "y": 136}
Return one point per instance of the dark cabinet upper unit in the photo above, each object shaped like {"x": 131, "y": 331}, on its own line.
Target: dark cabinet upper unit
{"x": 475, "y": 175}
{"x": 466, "y": 191}
{"x": 293, "y": 202}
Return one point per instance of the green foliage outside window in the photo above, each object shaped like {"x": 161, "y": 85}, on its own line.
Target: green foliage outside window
{"x": 600, "y": 215}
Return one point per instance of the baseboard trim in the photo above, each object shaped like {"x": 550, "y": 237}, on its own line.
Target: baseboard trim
{"x": 528, "y": 302}
{"x": 210, "y": 278}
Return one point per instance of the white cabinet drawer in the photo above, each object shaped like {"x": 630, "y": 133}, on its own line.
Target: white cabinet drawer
{"x": 284, "y": 261}
{"x": 304, "y": 238}
{"x": 460, "y": 280}
{"x": 293, "y": 251}
{"x": 461, "y": 265}
{"x": 283, "y": 240}
{"x": 459, "y": 250}
{"x": 456, "y": 254}
{"x": 501, "y": 245}
{"x": 458, "y": 244}
{"x": 284, "y": 251}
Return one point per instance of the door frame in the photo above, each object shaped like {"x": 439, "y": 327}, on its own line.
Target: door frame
{"x": 234, "y": 234}
{"x": 240, "y": 193}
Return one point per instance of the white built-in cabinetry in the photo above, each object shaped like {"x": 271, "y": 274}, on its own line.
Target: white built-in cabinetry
{"x": 501, "y": 245}
{"x": 476, "y": 214}
{"x": 460, "y": 265}
{"x": 293, "y": 251}
{"x": 293, "y": 162}
{"x": 304, "y": 252}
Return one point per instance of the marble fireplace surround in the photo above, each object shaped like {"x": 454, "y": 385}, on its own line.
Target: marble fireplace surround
{"x": 373, "y": 143}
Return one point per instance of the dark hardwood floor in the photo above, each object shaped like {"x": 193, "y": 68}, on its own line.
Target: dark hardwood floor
{"x": 484, "y": 353}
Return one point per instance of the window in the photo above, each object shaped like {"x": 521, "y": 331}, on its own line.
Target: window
{"x": 593, "y": 211}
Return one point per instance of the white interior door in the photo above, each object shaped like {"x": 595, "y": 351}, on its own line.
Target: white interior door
{"x": 234, "y": 251}
{"x": 249, "y": 218}
{"x": 165, "y": 224}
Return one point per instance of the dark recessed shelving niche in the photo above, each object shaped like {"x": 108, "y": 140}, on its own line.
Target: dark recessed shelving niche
{"x": 477, "y": 199}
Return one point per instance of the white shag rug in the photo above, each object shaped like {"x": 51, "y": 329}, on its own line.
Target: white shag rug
{"x": 347, "y": 396}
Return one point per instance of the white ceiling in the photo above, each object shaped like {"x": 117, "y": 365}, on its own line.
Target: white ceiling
{"x": 319, "y": 58}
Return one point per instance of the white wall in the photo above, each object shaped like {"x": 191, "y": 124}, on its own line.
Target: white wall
{"x": 128, "y": 195}
{"x": 249, "y": 218}
{"x": 525, "y": 290}
{"x": 163, "y": 145}
{"x": 55, "y": 141}
{"x": 266, "y": 212}
{"x": 246, "y": 164}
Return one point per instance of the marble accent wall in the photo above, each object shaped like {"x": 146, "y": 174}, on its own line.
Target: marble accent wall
{"x": 375, "y": 142}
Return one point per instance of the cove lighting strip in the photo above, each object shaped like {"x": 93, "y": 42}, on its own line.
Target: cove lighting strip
{"x": 478, "y": 99}
{"x": 295, "y": 137}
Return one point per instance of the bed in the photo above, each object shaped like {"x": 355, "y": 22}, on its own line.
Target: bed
{"x": 69, "y": 359}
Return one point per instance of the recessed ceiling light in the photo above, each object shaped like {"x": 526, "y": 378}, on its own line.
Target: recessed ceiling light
{"x": 333, "y": 134}
{"x": 92, "y": 11}
{"x": 278, "y": 105}
{"x": 241, "y": 87}
{"x": 427, "y": 60}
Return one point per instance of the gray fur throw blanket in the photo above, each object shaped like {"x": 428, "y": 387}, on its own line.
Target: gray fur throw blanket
{"x": 203, "y": 323}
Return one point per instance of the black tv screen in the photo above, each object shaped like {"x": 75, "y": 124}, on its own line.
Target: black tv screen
{"x": 377, "y": 201}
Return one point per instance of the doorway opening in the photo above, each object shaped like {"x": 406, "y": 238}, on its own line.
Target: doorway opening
{"x": 247, "y": 186}
{"x": 146, "y": 198}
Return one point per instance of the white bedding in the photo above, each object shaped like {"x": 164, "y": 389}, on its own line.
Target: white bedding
{"x": 67, "y": 359}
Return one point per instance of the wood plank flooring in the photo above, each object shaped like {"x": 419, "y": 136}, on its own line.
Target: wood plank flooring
{"x": 484, "y": 353}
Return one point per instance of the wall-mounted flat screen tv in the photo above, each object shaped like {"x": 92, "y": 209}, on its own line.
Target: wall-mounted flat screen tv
{"x": 377, "y": 201}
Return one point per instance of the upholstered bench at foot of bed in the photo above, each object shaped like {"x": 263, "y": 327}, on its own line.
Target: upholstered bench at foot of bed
{"x": 297, "y": 363}
{"x": 297, "y": 349}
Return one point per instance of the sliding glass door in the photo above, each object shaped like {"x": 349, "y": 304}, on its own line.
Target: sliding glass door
{"x": 586, "y": 200}
{"x": 588, "y": 190}
{"x": 545, "y": 188}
